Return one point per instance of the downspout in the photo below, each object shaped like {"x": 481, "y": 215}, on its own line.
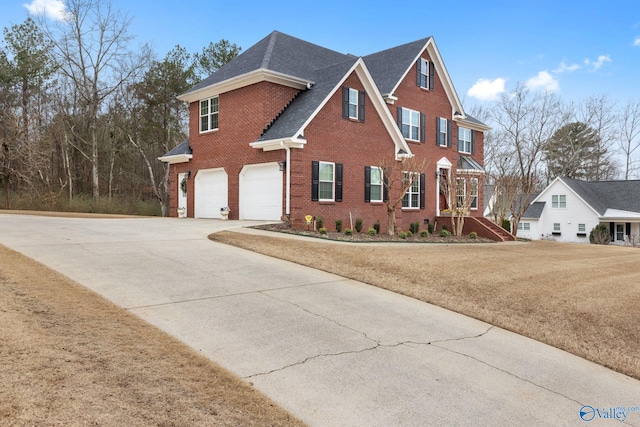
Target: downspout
{"x": 287, "y": 201}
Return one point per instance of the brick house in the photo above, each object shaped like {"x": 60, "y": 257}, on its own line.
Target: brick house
{"x": 289, "y": 129}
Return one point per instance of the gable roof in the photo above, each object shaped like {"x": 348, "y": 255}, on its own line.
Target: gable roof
{"x": 179, "y": 154}
{"x": 603, "y": 195}
{"x": 534, "y": 211}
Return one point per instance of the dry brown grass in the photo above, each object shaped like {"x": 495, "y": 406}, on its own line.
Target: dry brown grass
{"x": 69, "y": 357}
{"x": 584, "y": 299}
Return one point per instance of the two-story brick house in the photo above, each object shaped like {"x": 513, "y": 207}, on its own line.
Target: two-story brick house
{"x": 289, "y": 129}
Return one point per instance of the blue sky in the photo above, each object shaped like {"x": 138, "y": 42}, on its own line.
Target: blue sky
{"x": 576, "y": 49}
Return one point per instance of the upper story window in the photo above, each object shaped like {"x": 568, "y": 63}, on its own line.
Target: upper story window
{"x": 411, "y": 124}
{"x": 559, "y": 201}
{"x": 353, "y": 104}
{"x": 209, "y": 114}
{"x": 465, "y": 140}
{"x": 424, "y": 74}
{"x": 443, "y": 134}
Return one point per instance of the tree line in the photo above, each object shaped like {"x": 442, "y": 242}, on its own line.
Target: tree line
{"x": 84, "y": 113}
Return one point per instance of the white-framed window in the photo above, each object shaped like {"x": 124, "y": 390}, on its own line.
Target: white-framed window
{"x": 556, "y": 227}
{"x": 474, "y": 193}
{"x": 423, "y": 73}
{"x": 443, "y": 127}
{"x": 461, "y": 190}
{"x": 209, "y": 114}
{"x": 376, "y": 185}
{"x": 353, "y": 104}
{"x": 326, "y": 181}
{"x": 524, "y": 226}
{"x": 582, "y": 228}
{"x": 411, "y": 199}
{"x": 464, "y": 140}
{"x": 620, "y": 232}
{"x": 559, "y": 201}
{"x": 410, "y": 124}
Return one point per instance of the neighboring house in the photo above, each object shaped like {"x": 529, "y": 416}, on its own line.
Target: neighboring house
{"x": 568, "y": 209}
{"x": 289, "y": 129}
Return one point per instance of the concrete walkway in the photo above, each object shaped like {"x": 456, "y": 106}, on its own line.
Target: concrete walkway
{"x": 332, "y": 351}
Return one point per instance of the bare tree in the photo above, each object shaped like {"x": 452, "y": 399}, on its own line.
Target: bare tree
{"x": 93, "y": 50}
{"x": 598, "y": 113}
{"x": 460, "y": 189}
{"x": 398, "y": 177}
{"x": 629, "y": 142}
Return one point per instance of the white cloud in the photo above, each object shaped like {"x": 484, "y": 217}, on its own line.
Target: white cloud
{"x": 598, "y": 63}
{"x": 636, "y": 42}
{"x": 53, "y": 9}
{"x": 564, "y": 68}
{"x": 487, "y": 90}
{"x": 543, "y": 80}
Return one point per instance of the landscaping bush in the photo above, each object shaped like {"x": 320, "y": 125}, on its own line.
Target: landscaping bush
{"x": 348, "y": 232}
{"x": 506, "y": 224}
{"x": 473, "y": 235}
{"x": 600, "y": 235}
{"x": 403, "y": 234}
{"x": 339, "y": 225}
{"x": 444, "y": 232}
{"x": 444, "y": 227}
{"x": 372, "y": 231}
{"x": 319, "y": 222}
{"x": 430, "y": 228}
{"x": 414, "y": 227}
{"x": 322, "y": 230}
{"x": 358, "y": 225}
{"x": 376, "y": 226}
{"x": 424, "y": 233}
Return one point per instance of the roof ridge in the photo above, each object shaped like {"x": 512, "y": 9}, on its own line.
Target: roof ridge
{"x": 269, "y": 51}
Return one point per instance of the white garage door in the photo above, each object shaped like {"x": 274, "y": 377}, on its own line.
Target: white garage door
{"x": 210, "y": 192}
{"x": 261, "y": 192}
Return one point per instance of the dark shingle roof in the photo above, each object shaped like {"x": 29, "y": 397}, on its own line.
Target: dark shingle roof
{"x": 307, "y": 102}
{"x": 603, "y": 195}
{"x": 182, "y": 148}
{"x": 388, "y": 66}
{"x": 534, "y": 210}
{"x": 277, "y": 52}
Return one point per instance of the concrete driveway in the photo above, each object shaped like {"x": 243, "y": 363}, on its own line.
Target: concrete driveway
{"x": 332, "y": 351}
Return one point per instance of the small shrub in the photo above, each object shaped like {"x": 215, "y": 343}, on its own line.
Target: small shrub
{"x": 319, "y": 222}
{"x": 322, "y": 230}
{"x": 414, "y": 227}
{"x": 444, "y": 227}
{"x": 339, "y": 225}
{"x": 444, "y": 232}
{"x": 473, "y": 235}
{"x": 430, "y": 228}
{"x": 402, "y": 234}
{"x": 506, "y": 224}
{"x": 348, "y": 232}
{"x": 424, "y": 233}
{"x": 358, "y": 225}
{"x": 600, "y": 235}
{"x": 376, "y": 226}
{"x": 372, "y": 232}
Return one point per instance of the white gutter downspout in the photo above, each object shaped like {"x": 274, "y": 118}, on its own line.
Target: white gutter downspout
{"x": 287, "y": 209}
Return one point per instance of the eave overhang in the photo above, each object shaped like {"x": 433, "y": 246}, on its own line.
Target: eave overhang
{"x": 243, "y": 80}
{"x": 178, "y": 158}
{"x": 278, "y": 144}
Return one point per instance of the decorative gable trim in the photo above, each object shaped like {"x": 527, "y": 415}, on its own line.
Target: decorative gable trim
{"x": 256, "y": 76}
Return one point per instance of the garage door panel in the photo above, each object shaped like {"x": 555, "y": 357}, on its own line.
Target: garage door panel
{"x": 210, "y": 193}
{"x": 261, "y": 192}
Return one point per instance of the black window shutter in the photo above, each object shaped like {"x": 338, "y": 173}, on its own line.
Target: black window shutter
{"x": 422, "y": 192}
{"x": 385, "y": 190}
{"x": 448, "y": 133}
{"x": 418, "y": 72}
{"x": 367, "y": 184}
{"x": 423, "y": 124}
{"x": 338, "y": 182}
{"x": 400, "y": 118}
{"x": 315, "y": 179}
{"x": 361, "y": 106}
{"x": 345, "y": 102}
{"x": 473, "y": 142}
{"x": 437, "y": 130}
{"x": 612, "y": 230}
{"x": 432, "y": 74}
{"x": 627, "y": 231}
{"x": 458, "y": 139}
